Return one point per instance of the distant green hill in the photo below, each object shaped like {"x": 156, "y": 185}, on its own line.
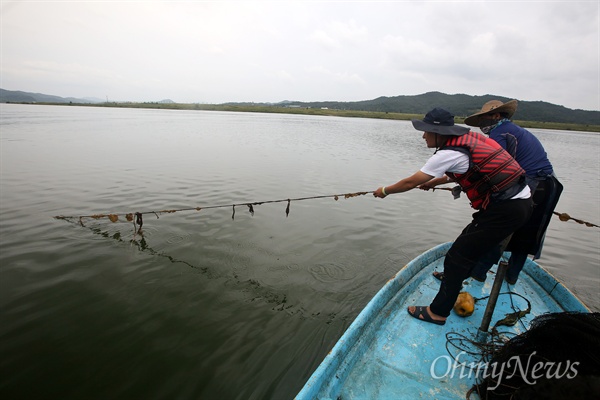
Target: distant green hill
{"x": 11, "y": 96}
{"x": 461, "y": 105}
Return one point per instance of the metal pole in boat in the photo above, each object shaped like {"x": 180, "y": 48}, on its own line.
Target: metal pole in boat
{"x": 491, "y": 305}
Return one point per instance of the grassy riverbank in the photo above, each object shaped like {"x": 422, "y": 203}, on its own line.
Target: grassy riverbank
{"x": 316, "y": 111}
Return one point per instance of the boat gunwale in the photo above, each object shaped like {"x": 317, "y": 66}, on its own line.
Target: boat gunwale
{"x": 349, "y": 339}
{"x": 327, "y": 377}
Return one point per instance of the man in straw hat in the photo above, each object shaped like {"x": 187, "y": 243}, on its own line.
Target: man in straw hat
{"x": 494, "y": 183}
{"x": 494, "y": 120}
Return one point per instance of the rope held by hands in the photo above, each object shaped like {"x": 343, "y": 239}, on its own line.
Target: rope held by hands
{"x": 137, "y": 217}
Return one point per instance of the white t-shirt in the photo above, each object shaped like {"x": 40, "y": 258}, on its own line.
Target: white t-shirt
{"x": 457, "y": 162}
{"x": 446, "y": 161}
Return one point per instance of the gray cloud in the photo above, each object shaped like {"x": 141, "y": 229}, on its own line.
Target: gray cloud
{"x": 270, "y": 51}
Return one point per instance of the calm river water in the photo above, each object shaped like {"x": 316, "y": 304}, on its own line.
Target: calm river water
{"x": 203, "y": 306}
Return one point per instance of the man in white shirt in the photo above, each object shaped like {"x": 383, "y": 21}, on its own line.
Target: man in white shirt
{"x": 494, "y": 183}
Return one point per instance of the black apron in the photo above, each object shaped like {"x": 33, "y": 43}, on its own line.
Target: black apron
{"x": 530, "y": 238}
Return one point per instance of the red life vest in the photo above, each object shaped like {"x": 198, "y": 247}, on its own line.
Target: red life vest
{"x": 491, "y": 168}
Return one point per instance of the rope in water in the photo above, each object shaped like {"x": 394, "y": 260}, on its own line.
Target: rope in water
{"x": 562, "y": 216}
{"x": 565, "y": 217}
{"x": 137, "y": 217}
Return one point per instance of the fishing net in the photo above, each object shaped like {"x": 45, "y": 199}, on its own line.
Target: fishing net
{"x": 557, "y": 358}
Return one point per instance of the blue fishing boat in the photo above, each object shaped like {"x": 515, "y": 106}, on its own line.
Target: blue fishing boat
{"x": 387, "y": 354}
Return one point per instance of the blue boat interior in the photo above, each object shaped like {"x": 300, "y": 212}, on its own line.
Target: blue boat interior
{"x": 387, "y": 354}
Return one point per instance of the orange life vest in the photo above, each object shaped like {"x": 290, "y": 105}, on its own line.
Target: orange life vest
{"x": 491, "y": 169}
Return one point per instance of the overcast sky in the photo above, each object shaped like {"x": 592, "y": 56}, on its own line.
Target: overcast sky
{"x": 269, "y": 51}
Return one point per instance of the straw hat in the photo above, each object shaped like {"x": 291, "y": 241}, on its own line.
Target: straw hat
{"x": 491, "y": 107}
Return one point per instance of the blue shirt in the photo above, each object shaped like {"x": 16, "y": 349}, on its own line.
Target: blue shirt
{"x": 530, "y": 153}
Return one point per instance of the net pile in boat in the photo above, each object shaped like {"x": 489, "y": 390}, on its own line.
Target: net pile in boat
{"x": 557, "y": 358}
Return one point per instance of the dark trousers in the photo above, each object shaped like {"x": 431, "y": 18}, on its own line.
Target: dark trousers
{"x": 529, "y": 238}
{"x": 487, "y": 230}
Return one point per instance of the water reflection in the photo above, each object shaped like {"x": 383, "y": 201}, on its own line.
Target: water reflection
{"x": 247, "y": 306}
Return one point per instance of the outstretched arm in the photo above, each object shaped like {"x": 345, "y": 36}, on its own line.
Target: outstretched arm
{"x": 435, "y": 182}
{"x": 406, "y": 184}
